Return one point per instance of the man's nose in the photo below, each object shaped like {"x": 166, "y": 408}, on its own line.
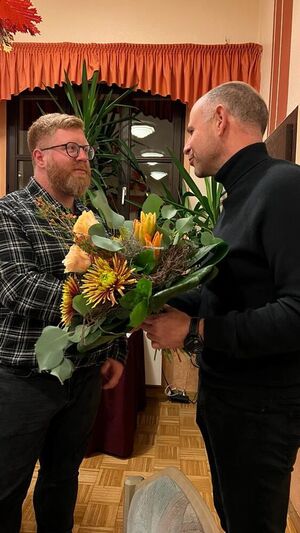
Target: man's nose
{"x": 186, "y": 148}
{"x": 82, "y": 155}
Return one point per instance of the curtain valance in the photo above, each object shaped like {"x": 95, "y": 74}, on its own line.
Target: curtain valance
{"x": 182, "y": 71}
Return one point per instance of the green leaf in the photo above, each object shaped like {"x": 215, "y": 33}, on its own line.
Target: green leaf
{"x": 168, "y": 211}
{"x": 79, "y": 333}
{"x": 99, "y": 341}
{"x": 194, "y": 279}
{"x": 98, "y": 229}
{"x": 107, "y": 244}
{"x": 50, "y": 347}
{"x": 152, "y": 204}
{"x": 130, "y": 299}
{"x": 99, "y": 201}
{"x": 184, "y": 225}
{"x": 64, "y": 370}
{"x": 143, "y": 290}
{"x": 139, "y": 313}
{"x": 145, "y": 260}
{"x": 80, "y": 304}
{"x": 207, "y": 238}
{"x": 144, "y": 287}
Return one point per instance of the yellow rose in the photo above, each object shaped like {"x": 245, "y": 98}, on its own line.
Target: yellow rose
{"x": 76, "y": 260}
{"x": 84, "y": 222}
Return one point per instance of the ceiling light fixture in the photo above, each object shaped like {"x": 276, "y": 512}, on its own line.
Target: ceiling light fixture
{"x": 142, "y": 130}
{"x": 158, "y": 174}
{"x": 152, "y": 153}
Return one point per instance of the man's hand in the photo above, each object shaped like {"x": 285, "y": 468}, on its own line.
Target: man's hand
{"x": 111, "y": 372}
{"x": 167, "y": 329}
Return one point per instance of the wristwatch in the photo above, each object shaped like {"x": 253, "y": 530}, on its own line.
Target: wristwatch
{"x": 193, "y": 342}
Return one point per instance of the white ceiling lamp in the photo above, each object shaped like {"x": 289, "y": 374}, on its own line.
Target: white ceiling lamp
{"x": 152, "y": 153}
{"x": 152, "y": 163}
{"x": 142, "y": 130}
{"x": 158, "y": 174}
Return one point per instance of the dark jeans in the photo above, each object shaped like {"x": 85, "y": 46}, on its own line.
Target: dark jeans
{"x": 251, "y": 440}
{"x": 42, "y": 419}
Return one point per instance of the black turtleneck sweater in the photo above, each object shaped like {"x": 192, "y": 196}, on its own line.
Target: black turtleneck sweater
{"x": 252, "y": 307}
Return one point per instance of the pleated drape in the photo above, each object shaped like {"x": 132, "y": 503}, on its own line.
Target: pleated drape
{"x": 182, "y": 71}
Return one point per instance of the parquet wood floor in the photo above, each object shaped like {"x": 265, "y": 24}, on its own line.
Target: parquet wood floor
{"x": 166, "y": 435}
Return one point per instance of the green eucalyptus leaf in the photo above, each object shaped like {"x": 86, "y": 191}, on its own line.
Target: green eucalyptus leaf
{"x": 80, "y": 304}
{"x": 79, "y": 333}
{"x": 99, "y": 201}
{"x": 63, "y": 371}
{"x": 168, "y": 211}
{"x": 99, "y": 340}
{"x": 128, "y": 224}
{"x": 152, "y": 204}
{"x": 185, "y": 225}
{"x": 107, "y": 244}
{"x": 50, "y": 347}
{"x": 207, "y": 238}
{"x": 139, "y": 313}
{"x": 98, "y": 229}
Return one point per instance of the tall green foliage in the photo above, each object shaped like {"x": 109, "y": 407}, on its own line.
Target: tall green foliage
{"x": 104, "y": 117}
{"x": 206, "y": 208}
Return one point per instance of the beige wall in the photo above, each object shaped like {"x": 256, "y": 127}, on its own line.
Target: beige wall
{"x": 136, "y": 21}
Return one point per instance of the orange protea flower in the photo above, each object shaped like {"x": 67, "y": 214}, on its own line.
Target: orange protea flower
{"x": 155, "y": 242}
{"x": 146, "y": 225}
{"x": 102, "y": 281}
{"x": 70, "y": 289}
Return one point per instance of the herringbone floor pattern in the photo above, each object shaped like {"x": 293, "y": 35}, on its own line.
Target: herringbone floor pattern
{"x": 166, "y": 435}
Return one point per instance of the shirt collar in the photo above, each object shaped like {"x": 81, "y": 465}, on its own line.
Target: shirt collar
{"x": 240, "y": 163}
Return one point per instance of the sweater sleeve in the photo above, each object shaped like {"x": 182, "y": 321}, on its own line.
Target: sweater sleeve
{"x": 274, "y": 327}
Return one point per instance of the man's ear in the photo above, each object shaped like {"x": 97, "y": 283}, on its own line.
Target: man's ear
{"x": 221, "y": 119}
{"x": 38, "y": 158}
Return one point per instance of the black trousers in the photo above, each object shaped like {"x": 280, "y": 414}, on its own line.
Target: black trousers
{"x": 42, "y": 419}
{"x": 251, "y": 438}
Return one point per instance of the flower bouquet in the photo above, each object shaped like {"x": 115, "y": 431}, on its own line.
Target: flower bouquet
{"x": 118, "y": 272}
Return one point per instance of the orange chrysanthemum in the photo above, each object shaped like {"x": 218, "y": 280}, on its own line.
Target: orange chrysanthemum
{"x": 70, "y": 289}
{"x": 102, "y": 281}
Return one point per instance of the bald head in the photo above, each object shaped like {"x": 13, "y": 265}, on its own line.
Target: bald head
{"x": 222, "y": 122}
{"x": 242, "y": 101}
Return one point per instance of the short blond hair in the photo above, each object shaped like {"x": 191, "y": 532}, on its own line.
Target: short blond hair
{"x": 48, "y": 124}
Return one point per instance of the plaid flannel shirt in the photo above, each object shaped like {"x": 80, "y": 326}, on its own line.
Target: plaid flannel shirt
{"x": 31, "y": 279}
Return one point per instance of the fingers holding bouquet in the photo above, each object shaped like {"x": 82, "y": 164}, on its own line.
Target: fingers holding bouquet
{"x": 167, "y": 329}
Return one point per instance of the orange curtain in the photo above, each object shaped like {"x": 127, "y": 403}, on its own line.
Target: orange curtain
{"x": 182, "y": 71}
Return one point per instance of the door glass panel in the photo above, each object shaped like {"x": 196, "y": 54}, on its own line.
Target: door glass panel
{"x": 156, "y": 176}
{"x": 158, "y": 136}
{"x": 24, "y": 173}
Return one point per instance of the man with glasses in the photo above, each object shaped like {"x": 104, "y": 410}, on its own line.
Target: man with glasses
{"x": 39, "y": 418}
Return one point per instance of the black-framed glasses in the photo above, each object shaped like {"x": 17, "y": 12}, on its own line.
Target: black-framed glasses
{"x": 73, "y": 149}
